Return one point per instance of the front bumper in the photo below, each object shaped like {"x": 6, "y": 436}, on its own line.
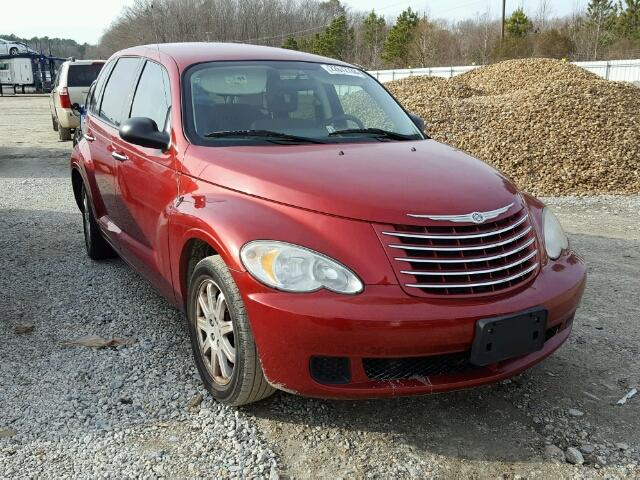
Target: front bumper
{"x": 66, "y": 118}
{"x": 384, "y": 322}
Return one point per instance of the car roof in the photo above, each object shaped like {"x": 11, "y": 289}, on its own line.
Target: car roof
{"x": 188, "y": 53}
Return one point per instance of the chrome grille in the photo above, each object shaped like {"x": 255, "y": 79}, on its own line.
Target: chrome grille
{"x": 464, "y": 259}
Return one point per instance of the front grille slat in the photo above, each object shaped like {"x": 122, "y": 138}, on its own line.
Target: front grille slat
{"x": 458, "y": 237}
{"x": 470, "y": 272}
{"x": 462, "y": 259}
{"x": 478, "y": 284}
{"x": 465, "y": 248}
{"x": 467, "y": 260}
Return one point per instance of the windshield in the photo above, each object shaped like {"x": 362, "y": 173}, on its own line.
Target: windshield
{"x": 271, "y": 102}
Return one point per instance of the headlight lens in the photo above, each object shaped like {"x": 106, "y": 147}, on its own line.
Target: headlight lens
{"x": 296, "y": 269}
{"x": 555, "y": 240}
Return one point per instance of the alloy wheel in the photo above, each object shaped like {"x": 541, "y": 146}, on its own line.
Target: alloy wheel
{"x": 215, "y": 332}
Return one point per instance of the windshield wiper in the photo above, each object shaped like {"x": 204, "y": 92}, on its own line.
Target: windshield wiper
{"x": 268, "y": 134}
{"x": 378, "y": 132}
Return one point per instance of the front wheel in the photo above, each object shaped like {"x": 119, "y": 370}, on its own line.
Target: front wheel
{"x": 221, "y": 338}
{"x": 13, "y": 51}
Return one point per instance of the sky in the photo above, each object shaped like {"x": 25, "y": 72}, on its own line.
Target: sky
{"x": 91, "y": 18}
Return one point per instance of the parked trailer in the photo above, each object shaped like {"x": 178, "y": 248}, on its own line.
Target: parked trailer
{"x": 28, "y": 72}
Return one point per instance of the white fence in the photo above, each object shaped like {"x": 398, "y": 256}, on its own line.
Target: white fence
{"x": 618, "y": 70}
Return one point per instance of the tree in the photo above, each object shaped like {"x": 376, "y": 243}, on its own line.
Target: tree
{"x": 629, "y": 20}
{"x": 374, "y": 30}
{"x": 601, "y": 15}
{"x": 333, "y": 8}
{"x": 396, "y": 50}
{"x": 512, "y": 47}
{"x": 543, "y": 13}
{"x": 518, "y": 24}
{"x": 554, "y": 44}
{"x": 335, "y": 40}
{"x": 291, "y": 44}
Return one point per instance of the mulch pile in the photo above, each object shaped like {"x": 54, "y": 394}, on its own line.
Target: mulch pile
{"x": 554, "y": 128}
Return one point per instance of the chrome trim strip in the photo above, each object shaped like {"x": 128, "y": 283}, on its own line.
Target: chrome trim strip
{"x": 468, "y": 285}
{"x": 461, "y": 249}
{"x": 467, "y": 217}
{"x": 470, "y": 272}
{"x": 458, "y": 237}
{"x": 464, "y": 260}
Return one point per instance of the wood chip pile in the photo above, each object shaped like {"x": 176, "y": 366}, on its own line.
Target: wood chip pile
{"x": 554, "y": 128}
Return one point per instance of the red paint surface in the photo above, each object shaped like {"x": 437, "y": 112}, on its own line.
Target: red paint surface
{"x": 151, "y": 206}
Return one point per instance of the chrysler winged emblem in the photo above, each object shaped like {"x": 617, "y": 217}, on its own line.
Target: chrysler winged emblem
{"x": 473, "y": 217}
{"x": 477, "y": 217}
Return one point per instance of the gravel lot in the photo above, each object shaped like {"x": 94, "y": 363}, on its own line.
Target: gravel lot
{"x": 133, "y": 410}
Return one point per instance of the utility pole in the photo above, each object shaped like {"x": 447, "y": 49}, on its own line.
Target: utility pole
{"x": 504, "y": 7}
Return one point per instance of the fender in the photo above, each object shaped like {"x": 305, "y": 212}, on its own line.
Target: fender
{"x": 226, "y": 220}
{"x": 81, "y": 162}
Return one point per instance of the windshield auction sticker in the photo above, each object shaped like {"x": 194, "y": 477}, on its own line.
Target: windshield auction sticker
{"x": 340, "y": 70}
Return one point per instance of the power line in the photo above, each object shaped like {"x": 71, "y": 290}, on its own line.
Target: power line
{"x": 306, "y": 30}
{"x": 281, "y": 35}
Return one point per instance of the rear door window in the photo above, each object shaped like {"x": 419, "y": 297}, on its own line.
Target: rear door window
{"x": 153, "y": 94}
{"x": 82, "y": 75}
{"x": 117, "y": 92}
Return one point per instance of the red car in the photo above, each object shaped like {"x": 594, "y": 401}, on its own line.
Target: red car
{"x": 317, "y": 240}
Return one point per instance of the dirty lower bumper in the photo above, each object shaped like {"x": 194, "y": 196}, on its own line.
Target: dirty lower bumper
{"x": 66, "y": 118}
{"x": 385, "y": 324}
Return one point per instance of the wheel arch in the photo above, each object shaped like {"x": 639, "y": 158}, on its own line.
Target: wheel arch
{"x": 76, "y": 183}
{"x": 196, "y": 246}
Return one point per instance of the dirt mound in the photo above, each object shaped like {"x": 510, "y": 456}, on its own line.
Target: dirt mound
{"x": 554, "y": 128}
{"x": 436, "y": 87}
{"x": 512, "y": 75}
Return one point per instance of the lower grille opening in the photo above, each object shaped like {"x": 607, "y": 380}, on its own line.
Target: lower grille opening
{"x": 410, "y": 367}
{"x": 330, "y": 370}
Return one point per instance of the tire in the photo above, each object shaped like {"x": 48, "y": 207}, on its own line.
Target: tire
{"x": 54, "y": 122}
{"x": 232, "y": 383}
{"x": 97, "y": 247}
{"x": 64, "y": 133}
{"x": 13, "y": 51}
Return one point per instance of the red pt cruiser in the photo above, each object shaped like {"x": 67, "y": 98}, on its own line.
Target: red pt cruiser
{"x": 317, "y": 240}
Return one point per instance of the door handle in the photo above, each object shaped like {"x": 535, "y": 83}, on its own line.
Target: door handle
{"x": 119, "y": 156}
{"x": 89, "y": 137}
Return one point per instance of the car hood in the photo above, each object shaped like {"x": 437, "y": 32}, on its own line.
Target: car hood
{"x": 374, "y": 181}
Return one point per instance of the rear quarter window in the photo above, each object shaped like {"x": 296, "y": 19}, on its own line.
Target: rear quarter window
{"x": 83, "y": 75}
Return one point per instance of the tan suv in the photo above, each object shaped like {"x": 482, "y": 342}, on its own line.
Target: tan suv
{"x": 71, "y": 86}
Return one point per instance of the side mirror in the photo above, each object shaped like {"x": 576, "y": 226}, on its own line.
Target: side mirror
{"x": 419, "y": 122}
{"x": 76, "y": 108}
{"x": 144, "y": 132}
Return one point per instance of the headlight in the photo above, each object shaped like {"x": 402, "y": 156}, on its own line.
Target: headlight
{"x": 555, "y": 240}
{"x": 296, "y": 269}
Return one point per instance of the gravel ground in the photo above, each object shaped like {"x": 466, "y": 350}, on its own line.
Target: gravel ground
{"x": 135, "y": 410}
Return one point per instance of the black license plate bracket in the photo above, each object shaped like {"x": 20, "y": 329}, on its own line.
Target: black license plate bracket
{"x": 501, "y": 338}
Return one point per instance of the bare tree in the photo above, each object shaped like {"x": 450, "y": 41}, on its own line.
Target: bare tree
{"x": 543, "y": 13}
